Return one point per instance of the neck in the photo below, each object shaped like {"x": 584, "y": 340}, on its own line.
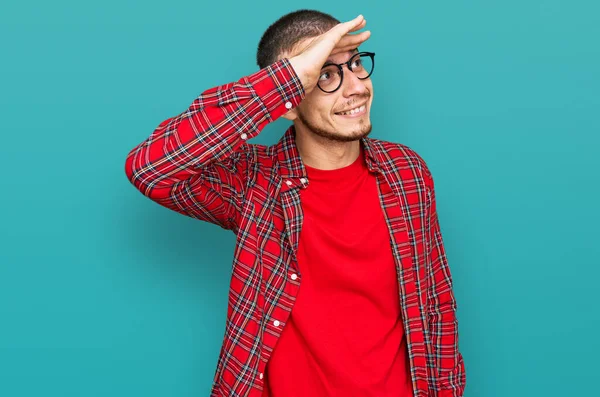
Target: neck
{"x": 323, "y": 153}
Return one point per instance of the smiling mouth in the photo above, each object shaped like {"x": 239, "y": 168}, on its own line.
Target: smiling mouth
{"x": 358, "y": 111}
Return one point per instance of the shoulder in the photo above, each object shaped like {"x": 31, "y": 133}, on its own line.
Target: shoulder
{"x": 397, "y": 156}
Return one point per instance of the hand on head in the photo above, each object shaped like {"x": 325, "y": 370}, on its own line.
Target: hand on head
{"x": 309, "y": 61}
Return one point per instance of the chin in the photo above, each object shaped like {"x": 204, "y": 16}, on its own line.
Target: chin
{"x": 355, "y": 134}
{"x": 348, "y": 130}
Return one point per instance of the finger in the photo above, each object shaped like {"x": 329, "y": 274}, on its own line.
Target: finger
{"x": 359, "y": 27}
{"x": 344, "y": 50}
{"x": 344, "y": 28}
{"x": 338, "y": 50}
{"x": 353, "y": 39}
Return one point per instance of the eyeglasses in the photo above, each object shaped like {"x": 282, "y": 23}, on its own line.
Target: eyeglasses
{"x": 332, "y": 75}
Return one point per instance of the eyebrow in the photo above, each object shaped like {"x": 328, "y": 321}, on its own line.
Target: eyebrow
{"x": 329, "y": 60}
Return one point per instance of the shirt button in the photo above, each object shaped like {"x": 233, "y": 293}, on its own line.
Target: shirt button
{"x": 288, "y": 105}
{"x": 303, "y": 180}
{"x": 276, "y": 323}
{"x": 294, "y": 276}
{"x": 260, "y": 375}
{"x": 244, "y": 136}
{"x": 288, "y": 182}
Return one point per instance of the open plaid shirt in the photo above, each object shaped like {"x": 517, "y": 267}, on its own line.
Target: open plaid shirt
{"x": 200, "y": 165}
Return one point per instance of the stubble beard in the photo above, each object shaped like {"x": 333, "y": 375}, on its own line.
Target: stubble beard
{"x": 360, "y": 131}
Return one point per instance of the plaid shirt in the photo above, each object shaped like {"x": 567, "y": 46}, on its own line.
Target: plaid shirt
{"x": 200, "y": 165}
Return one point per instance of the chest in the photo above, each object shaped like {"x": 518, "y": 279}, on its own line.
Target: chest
{"x": 274, "y": 217}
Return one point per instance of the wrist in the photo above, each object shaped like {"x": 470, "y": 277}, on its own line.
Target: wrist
{"x": 301, "y": 69}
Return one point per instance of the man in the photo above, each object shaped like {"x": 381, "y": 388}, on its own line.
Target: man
{"x": 340, "y": 285}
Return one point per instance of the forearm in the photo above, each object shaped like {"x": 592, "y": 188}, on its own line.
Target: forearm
{"x": 212, "y": 128}
{"x": 449, "y": 374}
{"x": 443, "y": 326}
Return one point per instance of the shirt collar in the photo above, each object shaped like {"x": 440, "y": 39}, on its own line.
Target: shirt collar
{"x": 290, "y": 162}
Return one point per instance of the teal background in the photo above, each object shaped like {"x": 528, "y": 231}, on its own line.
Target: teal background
{"x": 103, "y": 292}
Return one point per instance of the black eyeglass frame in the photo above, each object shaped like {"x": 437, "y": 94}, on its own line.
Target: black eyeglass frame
{"x": 348, "y": 65}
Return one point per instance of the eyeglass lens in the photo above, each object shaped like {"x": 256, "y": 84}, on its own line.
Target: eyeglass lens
{"x": 330, "y": 78}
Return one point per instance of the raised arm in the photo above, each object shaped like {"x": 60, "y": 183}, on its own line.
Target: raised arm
{"x": 194, "y": 163}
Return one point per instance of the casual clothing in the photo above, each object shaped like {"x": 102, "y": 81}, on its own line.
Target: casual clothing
{"x": 345, "y": 335}
{"x": 200, "y": 165}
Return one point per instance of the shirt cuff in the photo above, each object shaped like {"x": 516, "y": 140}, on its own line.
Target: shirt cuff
{"x": 278, "y": 87}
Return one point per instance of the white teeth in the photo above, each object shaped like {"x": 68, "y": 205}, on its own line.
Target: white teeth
{"x": 353, "y": 111}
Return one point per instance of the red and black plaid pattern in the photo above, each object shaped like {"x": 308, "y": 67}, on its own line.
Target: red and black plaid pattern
{"x": 200, "y": 164}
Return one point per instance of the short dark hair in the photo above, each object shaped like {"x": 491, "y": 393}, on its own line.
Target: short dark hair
{"x": 288, "y": 31}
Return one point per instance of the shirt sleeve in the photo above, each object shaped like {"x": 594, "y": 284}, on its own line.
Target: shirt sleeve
{"x": 449, "y": 368}
{"x": 195, "y": 163}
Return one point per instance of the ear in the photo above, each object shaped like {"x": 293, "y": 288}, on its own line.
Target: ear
{"x": 290, "y": 115}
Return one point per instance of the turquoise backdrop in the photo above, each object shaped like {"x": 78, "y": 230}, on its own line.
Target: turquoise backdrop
{"x": 105, "y": 293}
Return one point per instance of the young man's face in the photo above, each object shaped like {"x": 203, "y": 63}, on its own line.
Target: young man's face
{"x": 319, "y": 111}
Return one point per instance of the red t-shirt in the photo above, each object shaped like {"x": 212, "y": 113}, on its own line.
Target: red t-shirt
{"x": 344, "y": 336}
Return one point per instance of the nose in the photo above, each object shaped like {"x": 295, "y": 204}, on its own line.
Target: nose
{"x": 352, "y": 85}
